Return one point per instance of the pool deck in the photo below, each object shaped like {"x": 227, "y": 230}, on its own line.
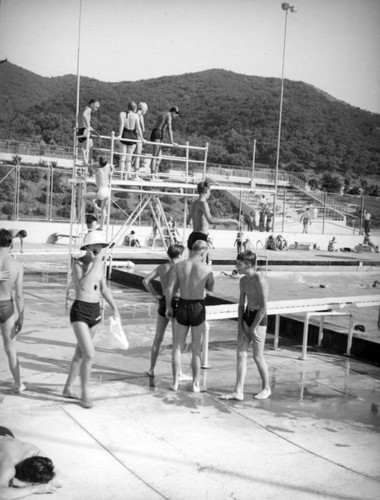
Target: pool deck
{"x": 316, "y": 437}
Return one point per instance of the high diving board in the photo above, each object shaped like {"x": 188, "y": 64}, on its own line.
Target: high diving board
{"x": 328, "y": 306}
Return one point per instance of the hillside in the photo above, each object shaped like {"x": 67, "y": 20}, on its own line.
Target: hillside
{"x": 228, "y": 110}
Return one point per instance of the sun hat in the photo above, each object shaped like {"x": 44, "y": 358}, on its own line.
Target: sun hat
{"x": 94, "y": 238}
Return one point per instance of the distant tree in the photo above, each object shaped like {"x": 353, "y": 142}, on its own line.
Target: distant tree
{"x": 331, "y": 183}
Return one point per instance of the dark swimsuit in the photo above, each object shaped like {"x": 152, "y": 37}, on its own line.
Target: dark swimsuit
{"x": 5, "y": 432}
{"x": 162, "y": 306}
{"x": 128, "y": 134}
{"x": 194, "y": 236}
{"x": 250, "y": 315}
{"x": 6, "y": 310}
{"x": 156, "y": 135}
{"x": 85, "y": 312}
{"x": 81, "y": 131}
{"x": 191, "y": 312}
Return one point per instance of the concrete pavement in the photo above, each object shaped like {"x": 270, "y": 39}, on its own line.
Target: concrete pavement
{"x": 316, "y": 437}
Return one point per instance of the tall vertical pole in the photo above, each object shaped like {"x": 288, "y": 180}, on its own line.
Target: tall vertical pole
{"x": 279, "y": 123}
{"x": 253, "y": 162}
{"x": 78, "y": 64}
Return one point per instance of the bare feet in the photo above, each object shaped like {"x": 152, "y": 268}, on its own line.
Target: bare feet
{"x": 67, "y": 393}
{"x": 235, "y": 396}
{"x": 86, "y": 403}
{"x": 174, "y": 387}
{"x": 264, "y": 394}
{"x": 20, "y": 388}
{"x": 185, "y": 378}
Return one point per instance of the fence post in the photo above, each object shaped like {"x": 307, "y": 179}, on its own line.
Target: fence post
{"x": 324, "y": 213}
{"x": 283, "y": 211}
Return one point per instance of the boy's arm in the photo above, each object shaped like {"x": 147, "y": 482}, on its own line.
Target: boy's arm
{"x": 172, "y": 287}
{"x": 7, "y": 473}
{"x": 241, "y": 303}
{"x": 210, "y": 282}
{"x": 106, "y": 292}
{"x": 214, "y": 220}
{"x": 147, "y": 282}
{"x": 262, "y": 298}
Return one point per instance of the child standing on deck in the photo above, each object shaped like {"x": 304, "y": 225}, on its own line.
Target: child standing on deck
{"x": 252, "y": 326}
{"x": 163, "y": 272}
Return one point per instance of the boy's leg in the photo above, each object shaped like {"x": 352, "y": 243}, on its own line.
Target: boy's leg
{"x": 180, "y": 332}
{"x": 9, "y": 339}
{"x": 123, "y": 156}
{"x": 182, "y": 376}
{"x": 161, "y": 325}
{"x": 84, "y": 336}
{"x": 197, "y": 334}
{"x": 73, "y": 374}
{"x": 258, "y": 356}
{"x": 241, "y": 366}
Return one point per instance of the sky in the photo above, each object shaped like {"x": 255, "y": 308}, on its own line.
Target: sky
{"x": 331, "y": 44}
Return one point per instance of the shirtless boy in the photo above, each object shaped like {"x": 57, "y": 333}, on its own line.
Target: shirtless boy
{"x": 252, "y": 326}
{"x": 163, "y": 272}
{"x": 89, "y": 284}
{"x": 192, "y": 277}
{"x": 84, "y": 127}
{"x": 201, "y": 216}
{"x": 24, "y": 471}
{"x": 164, "y": 121}
{"x": 103, "y": 173}
{"x": 12, "y": 272}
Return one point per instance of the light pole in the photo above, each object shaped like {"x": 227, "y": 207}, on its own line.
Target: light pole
{"x": 292, "y": 8}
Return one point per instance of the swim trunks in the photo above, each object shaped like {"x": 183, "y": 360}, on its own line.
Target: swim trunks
{"x": 85, "y": 312}
{"x": 194, "y": 236}
{"x": 250, "y": 315}
{"x": 156, "y": 135}
{"x": 191, "y": 312}
{"x": 6, "y": 310}
{"x": 103, "y": 193}
{"x": 162, "y": 306}
{"x": 128, "y": 134}
{"x": 5, "y": 432}
{"x": 81, "y": 131}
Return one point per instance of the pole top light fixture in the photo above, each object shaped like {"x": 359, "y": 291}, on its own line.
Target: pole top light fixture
{"x": 286, "y": 6}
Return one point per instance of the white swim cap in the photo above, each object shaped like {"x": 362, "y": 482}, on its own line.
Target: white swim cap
{"x": 143, "y": 106}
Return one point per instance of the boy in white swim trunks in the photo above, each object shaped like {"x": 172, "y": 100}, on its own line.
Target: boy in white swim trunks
{"x": 252, "y": 326}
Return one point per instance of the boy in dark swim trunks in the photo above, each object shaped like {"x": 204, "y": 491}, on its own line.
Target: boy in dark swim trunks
{"x": 252, "y": 325}
{"x": 192, "y": 277}
{"x": 90, "y": 284}
{"x": 163, "y": 272}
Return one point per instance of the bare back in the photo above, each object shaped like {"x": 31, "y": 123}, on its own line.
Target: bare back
{"x": 193, "y": 278}
{"x": 13, "y": 451}
{"x": 102, "y": 176}
{"x": 164, "y": 273}
{"x": 15, "y": 269}
{"x": 200, "y": 214}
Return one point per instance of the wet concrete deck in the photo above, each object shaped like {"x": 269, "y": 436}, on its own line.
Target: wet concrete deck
{"x": 316, "y": 437}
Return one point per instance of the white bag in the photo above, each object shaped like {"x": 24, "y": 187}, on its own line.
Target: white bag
{"x": 114, "y": 338}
